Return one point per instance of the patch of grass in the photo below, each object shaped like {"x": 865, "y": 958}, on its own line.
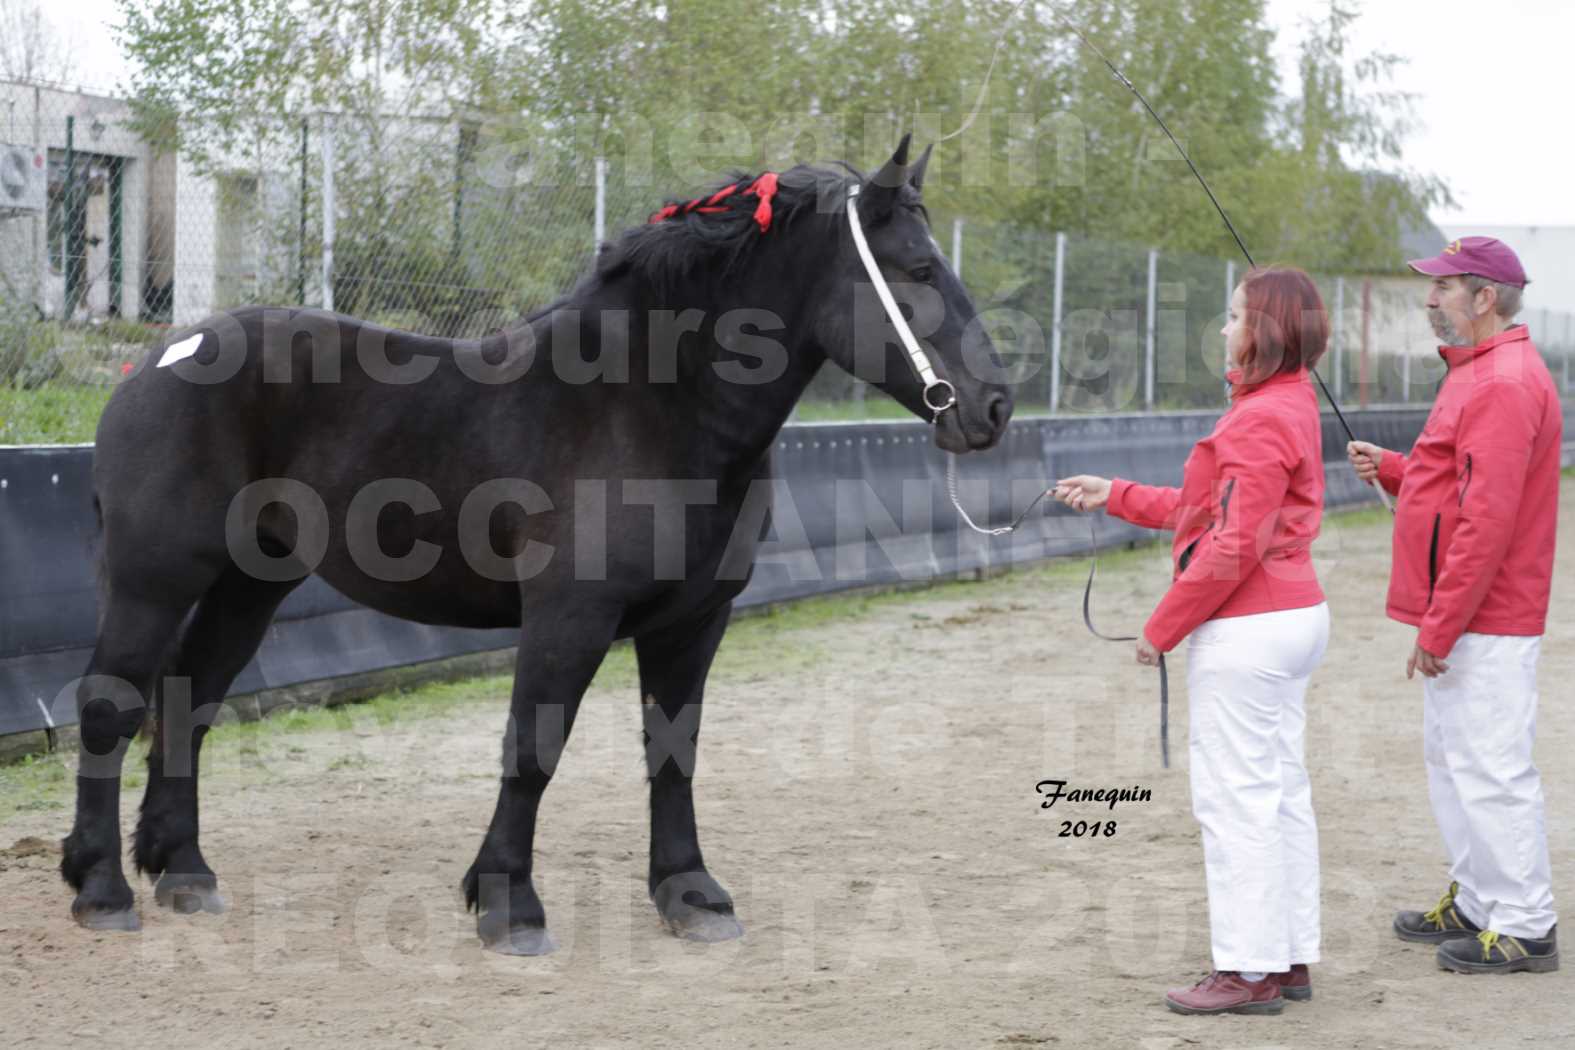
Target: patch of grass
{"x": 432, "y": 700}
{"x": 1357, "y": 517}
{"x": 37, "y": 782}
{"x": 53, "y": 414}
{"x": 875, "y": 406}
{"x": 55, "y": 380}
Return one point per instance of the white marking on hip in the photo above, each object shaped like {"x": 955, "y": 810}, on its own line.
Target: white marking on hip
{"x": 180, "y": 351}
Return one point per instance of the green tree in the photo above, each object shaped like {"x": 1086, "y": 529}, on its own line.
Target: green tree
{"x": 677, "y": 91}
{"x": 1347, "y": 122}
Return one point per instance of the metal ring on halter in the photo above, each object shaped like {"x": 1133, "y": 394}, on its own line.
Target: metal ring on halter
{"x": 951, "y": 397}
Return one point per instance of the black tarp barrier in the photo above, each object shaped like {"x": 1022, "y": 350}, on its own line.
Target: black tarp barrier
{"x": 854, "y": 504}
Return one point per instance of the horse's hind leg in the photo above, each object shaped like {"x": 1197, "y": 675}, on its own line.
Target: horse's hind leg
{"x": 224, "y": 633}
{"x": 112, "y": 700}
{"x": 673, "y": 669}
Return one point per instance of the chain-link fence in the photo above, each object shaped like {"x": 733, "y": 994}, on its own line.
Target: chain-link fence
{"x": 111, "y": 232}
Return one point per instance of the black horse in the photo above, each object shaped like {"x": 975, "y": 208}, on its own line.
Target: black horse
{"x": 580, "y": 477}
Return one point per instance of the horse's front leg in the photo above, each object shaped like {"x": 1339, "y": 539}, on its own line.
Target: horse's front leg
{"x": 560, "y": 650}
{"x": 673, "y": 668}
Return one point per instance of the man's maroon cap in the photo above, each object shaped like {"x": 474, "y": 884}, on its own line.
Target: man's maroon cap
{"x": 1481, "y": 256}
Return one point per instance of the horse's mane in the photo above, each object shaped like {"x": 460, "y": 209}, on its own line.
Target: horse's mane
{"x": 670, "y": 253}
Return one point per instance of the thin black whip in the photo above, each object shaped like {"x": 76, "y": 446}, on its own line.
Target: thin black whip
{"x": 1122, "y": 77}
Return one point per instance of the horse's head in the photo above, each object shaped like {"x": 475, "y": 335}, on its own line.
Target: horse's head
{"x": 855, "y": 330}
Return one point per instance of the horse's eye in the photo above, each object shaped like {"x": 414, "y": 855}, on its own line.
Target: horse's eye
{"x": 922, "y": 274}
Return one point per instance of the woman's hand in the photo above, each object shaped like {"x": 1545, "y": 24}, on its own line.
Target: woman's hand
{"x": 1083, "y": 492}
{"x": 1365, "y": 457}
{"x": 1424, "y": 661}
{"x": 1147, "y": 655}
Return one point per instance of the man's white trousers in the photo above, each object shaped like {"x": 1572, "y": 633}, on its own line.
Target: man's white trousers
{"x": 1479, "y": 721}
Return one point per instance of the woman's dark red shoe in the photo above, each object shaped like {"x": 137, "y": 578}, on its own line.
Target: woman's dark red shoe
{"x": 1225, "y": 992}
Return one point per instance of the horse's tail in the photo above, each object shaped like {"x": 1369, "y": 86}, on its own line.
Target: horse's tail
{"x": 101, "y": 574}
{"x": 100, "y": 569}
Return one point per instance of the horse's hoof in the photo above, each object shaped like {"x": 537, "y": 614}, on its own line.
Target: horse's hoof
{"x": 522, "y": 940}
{"x": 699, "y": 924}
{"x": 189, "y": 894}
{"x": 123, "y": 920}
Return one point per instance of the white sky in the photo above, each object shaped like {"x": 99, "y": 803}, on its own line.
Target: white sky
{"x": 1496, "y": 80}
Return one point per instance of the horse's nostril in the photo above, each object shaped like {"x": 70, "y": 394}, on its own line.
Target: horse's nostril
{"x": 999, "y": 411}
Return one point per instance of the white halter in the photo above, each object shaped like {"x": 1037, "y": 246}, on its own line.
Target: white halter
{"x": 921, "y": 364}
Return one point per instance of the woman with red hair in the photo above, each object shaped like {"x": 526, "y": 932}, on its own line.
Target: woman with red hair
{"x": 1245, "y": 591}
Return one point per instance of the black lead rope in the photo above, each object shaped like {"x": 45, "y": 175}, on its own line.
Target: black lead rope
{"x": 1164, "y": 676}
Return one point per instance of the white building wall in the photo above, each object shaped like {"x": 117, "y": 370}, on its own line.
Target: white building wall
{"x": 37, "y": 116}
{"x": 197, "y": 204}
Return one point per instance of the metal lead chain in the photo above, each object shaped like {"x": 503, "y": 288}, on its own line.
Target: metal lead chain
{"x": 951, "y": 489}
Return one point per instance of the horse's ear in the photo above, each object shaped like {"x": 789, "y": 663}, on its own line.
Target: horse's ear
{"x": 916, "y": 173}
{"x": 880, "y": 195}
{"x": 895, "y": 171}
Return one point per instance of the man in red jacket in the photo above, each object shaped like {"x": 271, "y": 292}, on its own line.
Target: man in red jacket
{"x": 1473, "y": 565}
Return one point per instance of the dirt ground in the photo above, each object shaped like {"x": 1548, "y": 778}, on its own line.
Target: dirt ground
{"x": 867, "y": 792}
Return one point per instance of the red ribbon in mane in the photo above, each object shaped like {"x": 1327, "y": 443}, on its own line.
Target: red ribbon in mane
{"x": 763, "y": 188}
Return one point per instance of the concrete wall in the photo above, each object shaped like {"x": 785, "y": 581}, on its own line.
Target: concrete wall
{"x": 37, "y": 117}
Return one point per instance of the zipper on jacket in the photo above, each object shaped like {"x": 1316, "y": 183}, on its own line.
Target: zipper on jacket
{"x": 1186, "y": 555}
{"x": 1432, "y": 560}
{"x": 1465, "y": 480}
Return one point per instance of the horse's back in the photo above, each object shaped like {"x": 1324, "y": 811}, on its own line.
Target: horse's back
{"x": 302, "y": 400}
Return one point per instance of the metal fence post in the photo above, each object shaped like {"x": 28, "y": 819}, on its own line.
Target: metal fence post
{"x": 40, "y": 221}
{"x": 1405, "y": 375}
{"x": 1230, "y": 293}
{"x": 1055, "y": 324}
{"x": 1148, "y": 349}
{"x": 1339, "y": 338}
{"x": 462, "y": 152}
{"x": 300, "y": 275}
{"x": 1405, "y": 371}
{"x": 957, "y": 228}
{"x": 117, "y": 237}
{"x": 1367, "y": 333}
{"x": 259, "y": 229}
{"x": 1567, "y": 318}
{"x": 328, "y": 212}
{"x": 601, "y": 204}
{"x": 68, "y": 236}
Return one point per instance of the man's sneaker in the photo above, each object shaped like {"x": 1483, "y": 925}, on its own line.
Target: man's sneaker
{"x": 1444, "y": 923}
{"x": 1490, "y": 952}
{"x": 1224, "y": 992}
{"x": 1295, "y": 983}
